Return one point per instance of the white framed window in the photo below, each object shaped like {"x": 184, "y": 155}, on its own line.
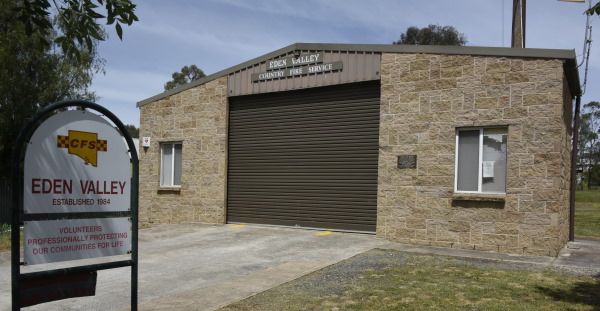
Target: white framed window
{"x": 170, "y": 164}
{"x": 481, "y": 155}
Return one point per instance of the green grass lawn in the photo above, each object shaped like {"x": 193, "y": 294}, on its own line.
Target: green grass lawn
{"x": 417, "y": 282}
{"x": 592, "y": 196}
{"x": 587, "y": 213}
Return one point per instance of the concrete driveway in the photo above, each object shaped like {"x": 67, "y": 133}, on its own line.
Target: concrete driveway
{"x": 204, "y": 267}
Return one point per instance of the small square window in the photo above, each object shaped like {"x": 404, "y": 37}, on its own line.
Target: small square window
{"x": 170, "y": 164}
{"x": 481, "y": 155}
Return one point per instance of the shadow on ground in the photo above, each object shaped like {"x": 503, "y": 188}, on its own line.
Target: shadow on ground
{"x": 584, "y": 292}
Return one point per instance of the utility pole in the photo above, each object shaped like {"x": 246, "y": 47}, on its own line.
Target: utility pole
{"x": 518, "y": 24}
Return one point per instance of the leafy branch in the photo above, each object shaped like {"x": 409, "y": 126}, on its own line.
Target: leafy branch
{"x": 78, "y": 20}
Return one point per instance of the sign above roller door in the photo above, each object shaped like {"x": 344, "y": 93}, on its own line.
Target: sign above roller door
{"x": 296, "y": 66}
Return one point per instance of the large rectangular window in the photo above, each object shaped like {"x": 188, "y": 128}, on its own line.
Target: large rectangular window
{"x": 170, "y": 164}
{"x": 481, "y": 160}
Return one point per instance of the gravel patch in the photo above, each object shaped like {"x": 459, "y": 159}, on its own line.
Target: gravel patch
{"x": 338, "y": 277}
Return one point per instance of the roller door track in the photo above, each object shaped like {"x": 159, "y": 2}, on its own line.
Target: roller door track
{"x": 305, "y": 158}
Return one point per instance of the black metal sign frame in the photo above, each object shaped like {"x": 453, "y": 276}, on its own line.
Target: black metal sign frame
{"x": 17, "y": 182}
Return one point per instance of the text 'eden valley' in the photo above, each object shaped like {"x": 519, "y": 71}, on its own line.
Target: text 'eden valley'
{"x": 63, "y": 186}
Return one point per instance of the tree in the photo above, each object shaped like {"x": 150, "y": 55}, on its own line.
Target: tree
{"x": 187, "y": 75}
{"x": 33, "y": 75}
{"x": 589, "y": 147}
{"x": 78, "y": 20}
{"x": 432, "y": 35}
{"x": 594, "y": 10}
{"x": 133, "y": 131}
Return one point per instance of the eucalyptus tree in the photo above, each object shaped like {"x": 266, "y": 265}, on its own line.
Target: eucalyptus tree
{"x": 432, "y": 35}
{"x": 47, "y": 57}
{"x": 185, "y": 76}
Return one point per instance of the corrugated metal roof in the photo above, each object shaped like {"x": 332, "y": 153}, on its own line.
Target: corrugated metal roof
{"x": 568, "y": 56}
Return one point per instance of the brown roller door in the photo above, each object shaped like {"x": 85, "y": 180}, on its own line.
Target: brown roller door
{"x": 305, "y": 158}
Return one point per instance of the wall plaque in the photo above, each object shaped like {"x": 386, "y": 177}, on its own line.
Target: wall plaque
{"x": 407, "y": 161}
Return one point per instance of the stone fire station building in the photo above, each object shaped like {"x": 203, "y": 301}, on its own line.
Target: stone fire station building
{"x": 459, "y": 147}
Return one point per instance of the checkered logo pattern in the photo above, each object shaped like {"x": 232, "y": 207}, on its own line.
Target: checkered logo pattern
{"x": 85, "y": 145}
{"x": 102, "y": 145}
{"x": 62, "y": 141}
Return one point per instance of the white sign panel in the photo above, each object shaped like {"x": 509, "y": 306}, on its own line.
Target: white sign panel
{"x": 60, "y": 240}
{"x": 145, "y": 141}
{"x": 488, "y": 169}
{"x": 76, "y": 162}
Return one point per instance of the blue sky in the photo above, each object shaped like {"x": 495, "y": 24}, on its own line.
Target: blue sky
{"x": 218, "y": 34}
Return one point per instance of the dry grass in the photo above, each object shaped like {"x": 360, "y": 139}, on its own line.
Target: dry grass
{"x": 434, "y": 283}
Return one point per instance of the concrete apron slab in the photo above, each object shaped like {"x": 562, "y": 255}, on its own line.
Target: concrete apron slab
{"x": 256, "y": 258}
{"x": 221, "y": 295}
{"x": 582, "y": 253}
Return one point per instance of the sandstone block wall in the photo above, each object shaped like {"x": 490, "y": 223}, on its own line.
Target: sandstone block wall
{"x": 196, "y": 117}
{"x": 424, "y": 99}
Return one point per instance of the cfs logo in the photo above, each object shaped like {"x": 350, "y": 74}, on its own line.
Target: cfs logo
{"x": 84, "y": 145}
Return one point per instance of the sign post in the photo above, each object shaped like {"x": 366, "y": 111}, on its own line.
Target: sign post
{"x": 80, "y": 200}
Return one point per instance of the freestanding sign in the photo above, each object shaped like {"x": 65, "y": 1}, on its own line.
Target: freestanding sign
{"x": 79, "y": 180}
{"x": 76, "y": 162}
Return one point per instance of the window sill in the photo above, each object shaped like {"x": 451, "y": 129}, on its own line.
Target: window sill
{"x": 480, "y": 197}
{"x": 175, "y": 189}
